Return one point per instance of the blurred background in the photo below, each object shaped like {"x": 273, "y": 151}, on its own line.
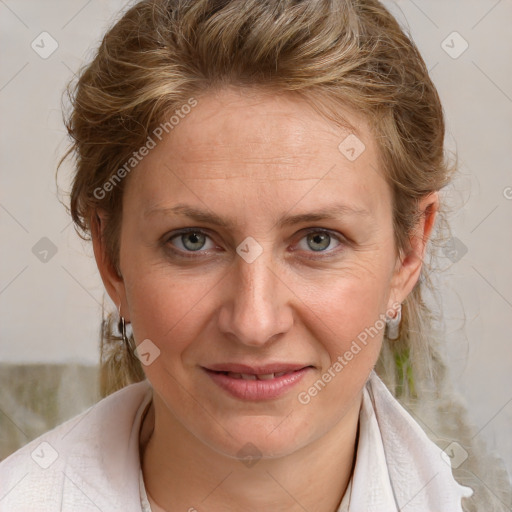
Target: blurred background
{"x": 50, "y": 290}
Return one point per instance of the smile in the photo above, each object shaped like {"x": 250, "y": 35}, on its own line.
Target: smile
{"x": 256, "y": 387}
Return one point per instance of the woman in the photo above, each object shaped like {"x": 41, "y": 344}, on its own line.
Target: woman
{"x": 260, "y": 181}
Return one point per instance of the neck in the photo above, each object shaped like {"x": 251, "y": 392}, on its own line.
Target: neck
{"x": 182, "y": 473}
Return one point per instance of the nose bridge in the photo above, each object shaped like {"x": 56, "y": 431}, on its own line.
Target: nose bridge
{"x": 257, "y": 308}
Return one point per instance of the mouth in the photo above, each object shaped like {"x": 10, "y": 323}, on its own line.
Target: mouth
{"x": 257, "y": 369}
{"x": 256, "y": 376}
{"x": 261, "y": 383}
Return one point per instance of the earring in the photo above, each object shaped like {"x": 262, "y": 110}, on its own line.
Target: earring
{"x": 121, "y": 326}
{"x": 393, "y": 324}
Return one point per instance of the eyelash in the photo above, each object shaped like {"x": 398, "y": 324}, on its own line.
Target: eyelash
{"x": 192, "y": 254}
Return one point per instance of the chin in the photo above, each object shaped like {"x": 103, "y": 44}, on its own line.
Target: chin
{"x": 258, "y": 437}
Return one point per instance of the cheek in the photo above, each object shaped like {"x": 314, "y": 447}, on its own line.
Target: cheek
{"x": 166, "y": 308}
{"x": 351, "y": 313}
{"x": 349, "y": 325}
{"x": 347, "y": 301}
{"x": 346, "y": 313}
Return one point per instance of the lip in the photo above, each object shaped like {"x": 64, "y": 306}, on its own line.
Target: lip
{"x": 256, "y": 369}
{"x": 257, "y": 390}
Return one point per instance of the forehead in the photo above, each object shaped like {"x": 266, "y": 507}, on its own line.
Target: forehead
{"x": 263, "y": 129}
{"x": 253, "y": 142}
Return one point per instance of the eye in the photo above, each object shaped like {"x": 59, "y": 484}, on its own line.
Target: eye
{"x": 319, "y": 241}
{"x": 192, "y": 240}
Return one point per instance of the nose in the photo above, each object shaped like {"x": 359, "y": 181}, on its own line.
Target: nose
{"x": 256, "y": 308}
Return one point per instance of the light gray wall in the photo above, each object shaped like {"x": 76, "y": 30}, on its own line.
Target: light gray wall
{"x": 49, "y": 311}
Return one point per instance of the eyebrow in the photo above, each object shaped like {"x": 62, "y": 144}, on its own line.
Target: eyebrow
{"x": 332, "y": 212}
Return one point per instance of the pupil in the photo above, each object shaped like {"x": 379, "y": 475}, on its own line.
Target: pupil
{"x": 195, "y": 239}
{"x": 320, "y": 238}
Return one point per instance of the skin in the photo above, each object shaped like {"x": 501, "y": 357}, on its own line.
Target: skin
{"x": 254, "y": 159}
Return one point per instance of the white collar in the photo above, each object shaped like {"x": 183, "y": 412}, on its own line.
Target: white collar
{"x": 398, "y": 468}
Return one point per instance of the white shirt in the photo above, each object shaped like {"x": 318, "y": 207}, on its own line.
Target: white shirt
{"x": 92, "y": 462}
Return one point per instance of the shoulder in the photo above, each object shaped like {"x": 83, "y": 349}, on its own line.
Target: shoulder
{"x": 90, "y": 462}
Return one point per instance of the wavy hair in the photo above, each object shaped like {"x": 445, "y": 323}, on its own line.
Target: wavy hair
{"x": 161, "y": 53}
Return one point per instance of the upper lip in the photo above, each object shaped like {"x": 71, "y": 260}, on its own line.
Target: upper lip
{"x": 256, "y": 369}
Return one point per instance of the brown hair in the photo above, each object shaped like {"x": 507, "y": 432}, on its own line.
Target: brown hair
{"x": 162, "y": 53}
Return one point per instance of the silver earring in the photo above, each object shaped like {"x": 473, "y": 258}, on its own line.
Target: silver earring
{"x": 122, "y": 329}
{"x": 393, "y": 325}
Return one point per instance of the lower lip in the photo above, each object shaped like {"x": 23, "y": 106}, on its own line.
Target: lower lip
{"x": 257, "y": 389}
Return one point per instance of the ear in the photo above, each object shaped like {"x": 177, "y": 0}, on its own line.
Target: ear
{"x": 112, "y": 280}
{"x": 410, "y": 262}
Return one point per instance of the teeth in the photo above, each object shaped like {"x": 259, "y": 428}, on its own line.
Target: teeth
{"x": 249, "y": 376}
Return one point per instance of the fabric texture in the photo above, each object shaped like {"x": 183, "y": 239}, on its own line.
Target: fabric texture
{"x": 92, "y": 461}
{"x": 398, "y": 468}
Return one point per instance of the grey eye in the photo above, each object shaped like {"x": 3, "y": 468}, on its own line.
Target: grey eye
{"x": 193, "y": 241}
{"x": 318, "y": 241}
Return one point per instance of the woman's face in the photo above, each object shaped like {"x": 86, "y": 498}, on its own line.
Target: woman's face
{"x": 250, "y": 238}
